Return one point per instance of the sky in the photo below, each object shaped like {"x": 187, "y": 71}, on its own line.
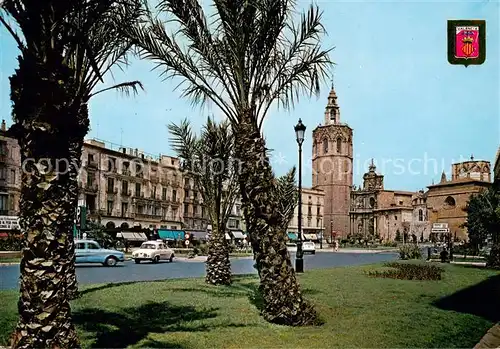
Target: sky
{"x": 412, "y": 112}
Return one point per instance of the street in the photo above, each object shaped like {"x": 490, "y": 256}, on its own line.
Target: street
{"x": 129, "y": 271}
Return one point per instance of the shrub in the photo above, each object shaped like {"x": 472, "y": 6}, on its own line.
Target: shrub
{"x": 406, "y": 271}
{"x": 11, "y": 243}
{"x": 493, "y": 259}
{"x": 410, "y": 251}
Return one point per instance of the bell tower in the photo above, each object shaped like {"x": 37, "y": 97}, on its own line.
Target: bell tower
{"x": 332, "y": 162}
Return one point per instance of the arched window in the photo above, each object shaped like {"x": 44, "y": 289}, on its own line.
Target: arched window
{"x": 325, "y": 146}
{"x": 420, "y": 215}
{"x": 110, "y": 225}
{"x": 315, "y": 150}
{"x": 450, "y": 202}
{"x": 333, "y": 115}
{"x": 339, "y": 145}
{"x": 124, "y": 225}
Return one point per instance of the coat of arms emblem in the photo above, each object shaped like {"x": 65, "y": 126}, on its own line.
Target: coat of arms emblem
{"x": 466, "y": 42}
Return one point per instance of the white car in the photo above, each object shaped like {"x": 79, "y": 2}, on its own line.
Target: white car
{"x": 309, "y": 247}
{"x": 153, "y": 251}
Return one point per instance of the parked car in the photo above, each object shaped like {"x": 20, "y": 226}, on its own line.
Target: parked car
{"x": 89, "y": 251}
{"x": 153, "y": 251}
{"x": 309, "y": 247}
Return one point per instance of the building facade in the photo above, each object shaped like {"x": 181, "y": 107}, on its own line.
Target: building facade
{"x": 313, "y": 205}
{"x": 447, "y": 200}
{"x": 377, "y": 213}
{"x": 332, "y": 163}
{"x": 496, "y": 169}
{"x": 127, "y": 189}
{"x": 10, "y": 182}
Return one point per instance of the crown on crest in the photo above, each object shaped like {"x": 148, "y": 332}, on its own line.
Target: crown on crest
{"x": 467, "y": 39}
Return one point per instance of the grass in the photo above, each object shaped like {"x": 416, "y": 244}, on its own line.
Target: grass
{"x": 470, "y": 260}
{"x": 10, "y": 260}
{"x": 358, "y": 311}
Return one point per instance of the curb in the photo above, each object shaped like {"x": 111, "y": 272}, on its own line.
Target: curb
{"x": 491, "y": 339}
{"x": 6, "y": 264}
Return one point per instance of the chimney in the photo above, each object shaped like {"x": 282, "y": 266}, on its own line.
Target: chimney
{"x": 3, "y": 127}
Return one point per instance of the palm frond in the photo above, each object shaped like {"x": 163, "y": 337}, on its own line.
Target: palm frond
{"x": 287, "y": 192}
{"x": 125, "y": 87}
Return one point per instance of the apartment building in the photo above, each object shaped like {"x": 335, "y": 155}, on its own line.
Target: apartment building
{"x": 313, "y": 204}
{"x": 126, "y": 188}
{"x": 10, "y": 182}
{"x": 194, "y": 215}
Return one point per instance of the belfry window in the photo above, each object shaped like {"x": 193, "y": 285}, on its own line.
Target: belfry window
{"x": 339, "y": 145}
{"x": 333, "y": 115}
{"x": 325, "y": 146}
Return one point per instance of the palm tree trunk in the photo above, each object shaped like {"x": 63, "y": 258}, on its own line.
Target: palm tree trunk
{"x": 218, "y": 266}
{"x": 283, "y": 301}
{"x": 44, "y": 123}
{"x": 75, "y": 150}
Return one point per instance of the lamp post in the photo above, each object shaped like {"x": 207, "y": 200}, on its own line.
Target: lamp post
{"x": 300, "y": 130}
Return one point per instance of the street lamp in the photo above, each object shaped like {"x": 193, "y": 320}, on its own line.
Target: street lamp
{"x": 300, "y": 130}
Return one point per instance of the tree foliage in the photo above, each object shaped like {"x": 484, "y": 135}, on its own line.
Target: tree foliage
{"x": 483, "y": 216}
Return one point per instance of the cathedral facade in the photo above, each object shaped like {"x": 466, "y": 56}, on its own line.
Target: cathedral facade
{"x": 376, "y": 212}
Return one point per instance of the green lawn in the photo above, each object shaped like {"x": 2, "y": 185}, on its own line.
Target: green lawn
{"x": 10, "y": 260}
{"x": 358, "y": 311}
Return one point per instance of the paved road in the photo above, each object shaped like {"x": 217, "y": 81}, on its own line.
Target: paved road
{"x": 128, "y": 271}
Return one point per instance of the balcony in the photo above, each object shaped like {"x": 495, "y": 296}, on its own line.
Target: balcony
{"x": 91, "y": 188}
{"x": 126, "y": 172}
{"x": 92, "y": 164}
{"x": 126, "y": 192}
{"x": 4, "y": 212}
{"x": 139, "y": 174}
{"x": 113, "y": 190}
{"x": 146, "y": 216}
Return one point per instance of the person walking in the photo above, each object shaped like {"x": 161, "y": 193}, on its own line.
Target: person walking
{"x": 336, "y": 245}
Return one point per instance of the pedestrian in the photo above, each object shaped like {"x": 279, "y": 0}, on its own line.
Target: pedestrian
{"x": 336, "y": 245}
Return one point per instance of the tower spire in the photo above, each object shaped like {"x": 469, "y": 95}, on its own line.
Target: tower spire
{"x": 332, "y": 110}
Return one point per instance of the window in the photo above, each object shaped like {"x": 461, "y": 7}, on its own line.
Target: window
{"x": 232, "y": 223}
{"x": 90, "y": 158}
{"x": 13, "y": 176}
{"x": 339, "y": 145}
{"x": 92, "y": 246}
{"x": 202, "y": 212}
{"x": 137, "y": 189}
{"x": 110, "y": 208}
{"x": 138, "y": 169}
{"x": 80, "y": 246}
{"x": 124, "y": 209}
{"x": 90, "y": 180}
{"x": 174, "y": 195}
{"x": 186, "y": 193}
{"x": 333, "y": 115}
{"x": 125, "y": 168}
{"x": 186, "y": 209}
{"x": 420, "y": 215}
{"x": 400, "y": 202}
{"x": 395, "y": 218}
{"x": 309, "y": 221}
{"x": 318, "y": 222}
{"x": 238, "y": 210}
{"x": 186, "y": 181}
{"x": 3, "y": 202}
{"x": 125, "y": 187}
{"x": 157, "y": 211}
{"x": 111, "y": 164}
{"x": 4, "y": 151}
{"x": 372, "y": 202}
{"x": 237, "y": 224}
{"x": 111, "y": 185}
{"x": 11, "y": 202}
{"x": 450, "y": 202}
{"x": 325, "y": 146}
{"x": 140, "y": 209}
{"x": 3, "y": 172}
{"x": 164, "y": 194}
{"x": 154, "y": 192}
{"x": 309, "y": 210}
{"x": 318, "y": 211}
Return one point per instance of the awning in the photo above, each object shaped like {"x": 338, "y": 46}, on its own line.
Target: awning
{"x": 4, "y": 235}
{"x": 132, "y": 236}
{"x": 227, "y": 236}
{"x": 310, "y": 237}
{"x": 292, "y": 236}
{"x": 198, "y": 235}
{"x": 171, "y": 234}
{"x": 238, "y": 234}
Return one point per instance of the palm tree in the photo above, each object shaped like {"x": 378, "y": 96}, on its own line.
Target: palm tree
{"x": 251, "y": 55}
{"x": 209, "y": 160}
{"x": 50, "y": 121}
